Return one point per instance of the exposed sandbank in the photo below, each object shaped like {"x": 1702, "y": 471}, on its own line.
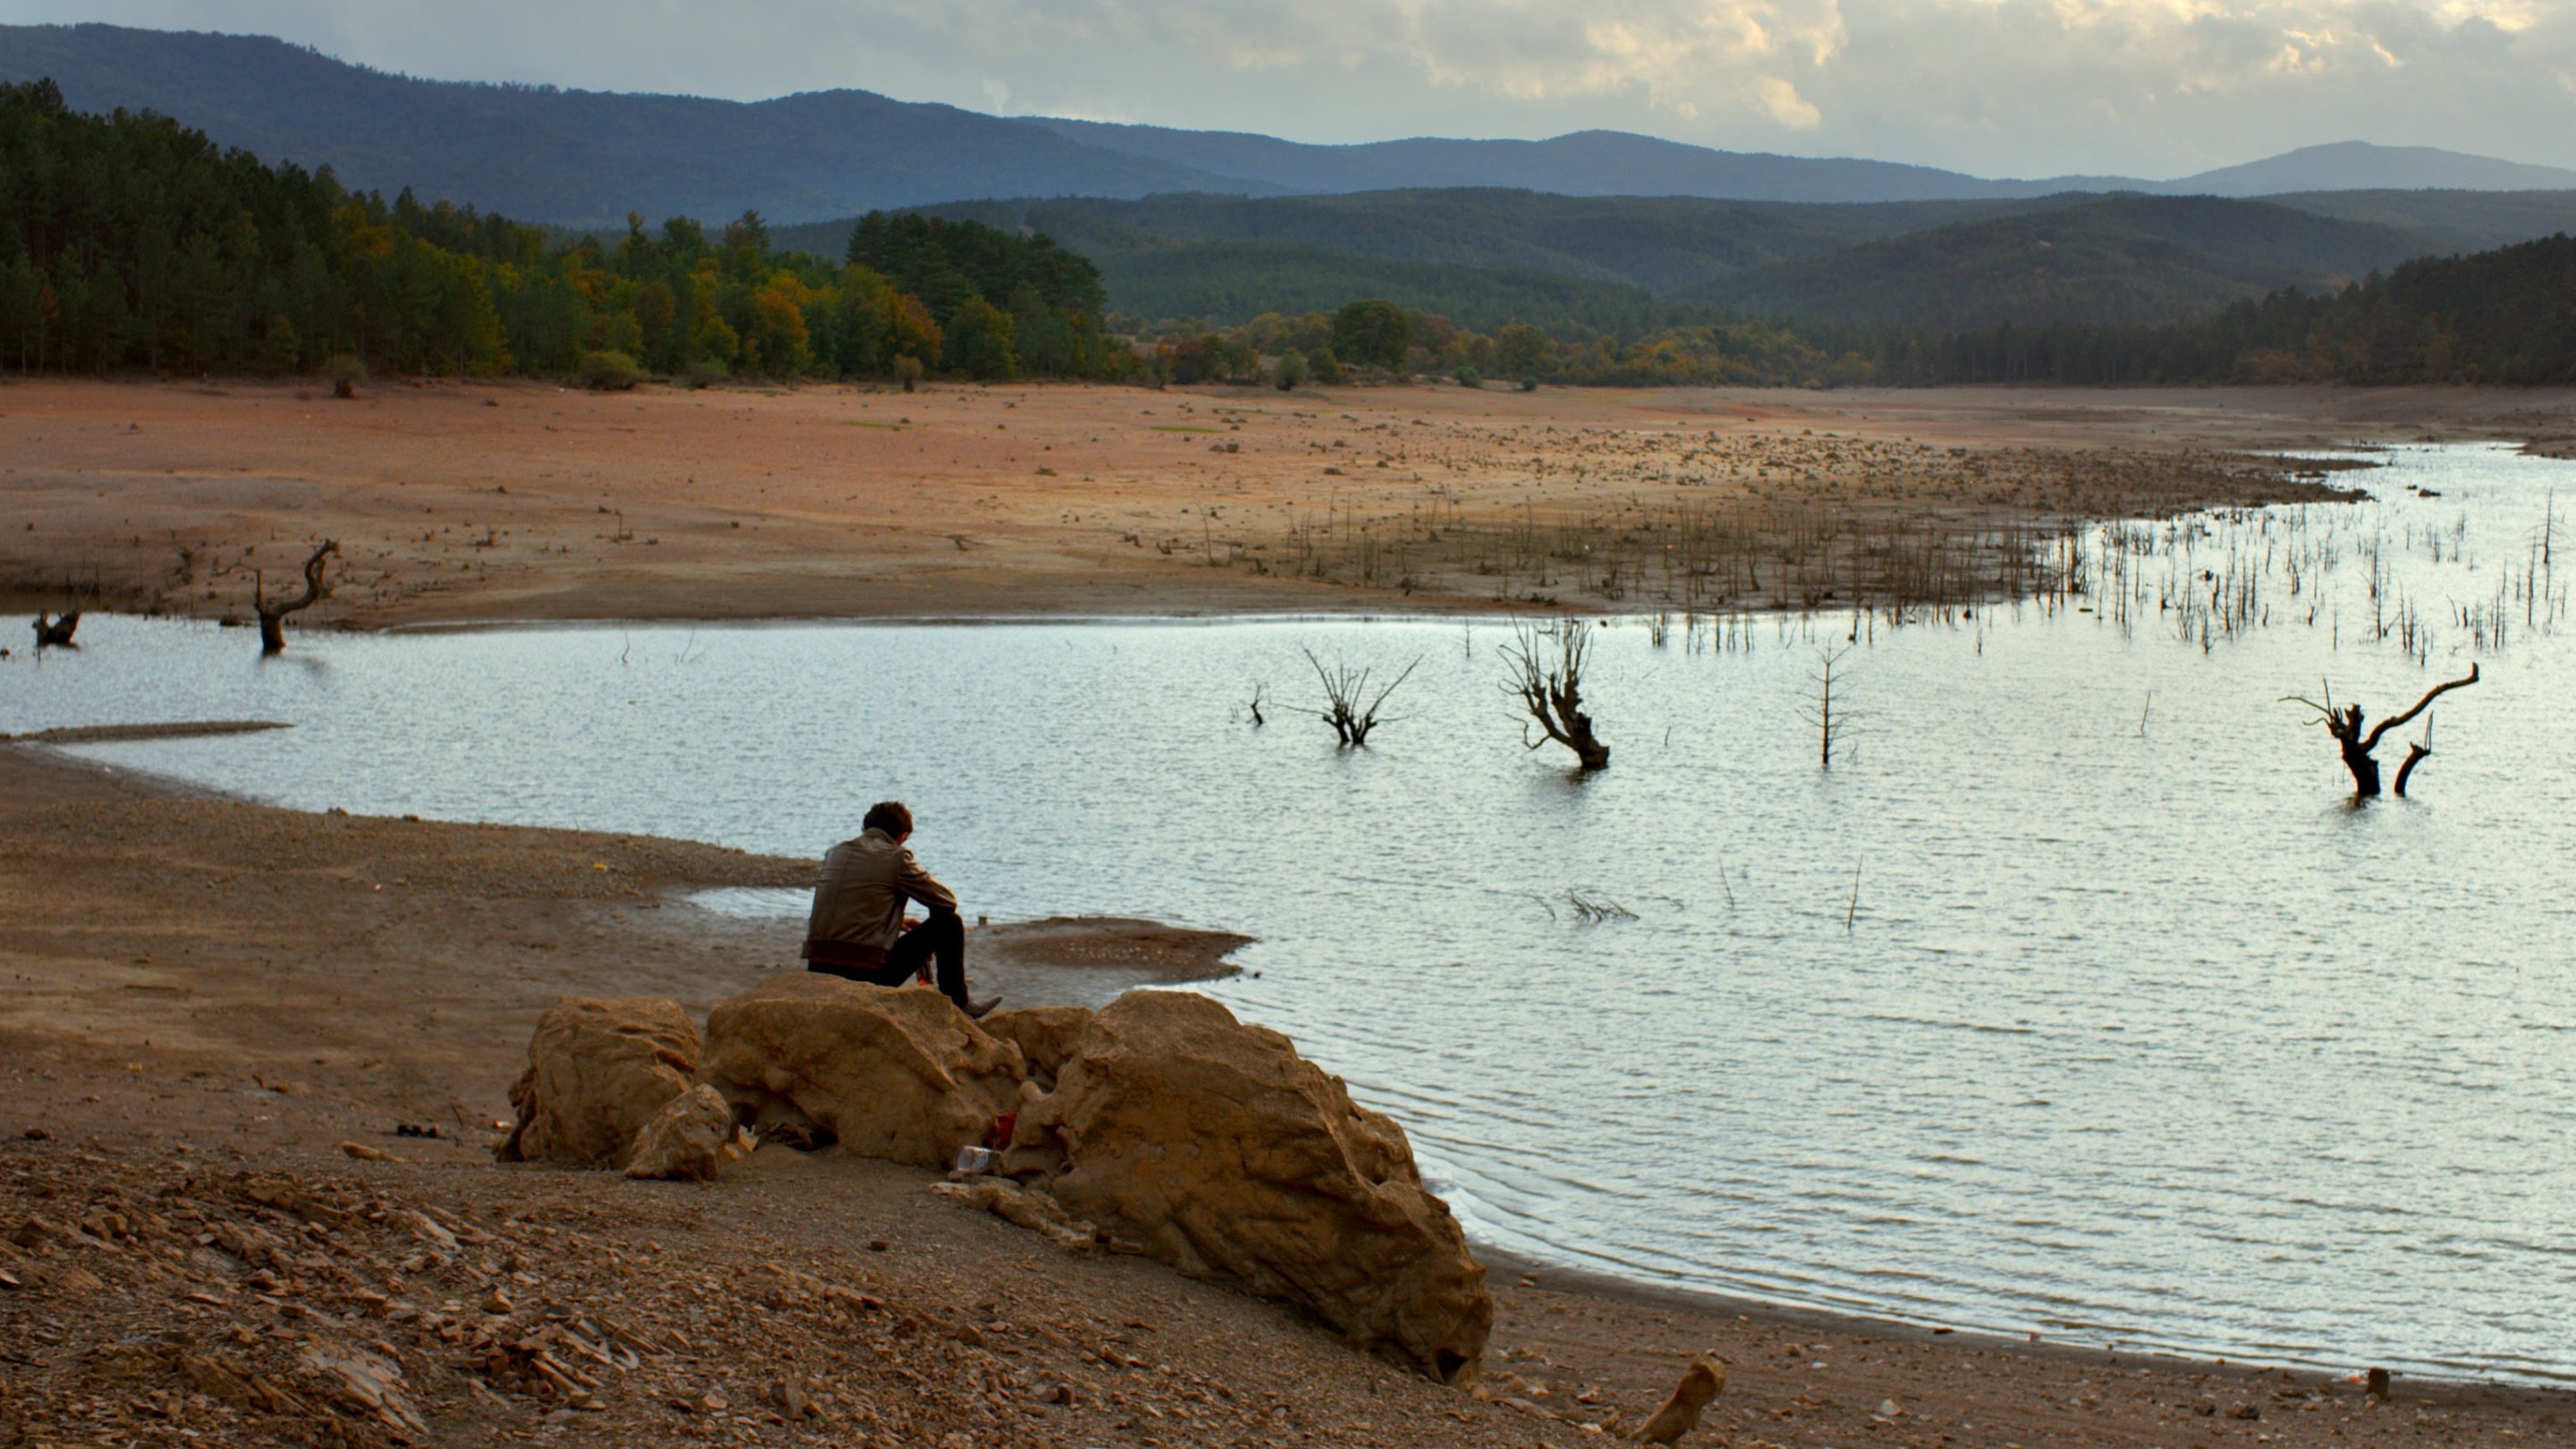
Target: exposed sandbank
{"x": 459, "y": 502}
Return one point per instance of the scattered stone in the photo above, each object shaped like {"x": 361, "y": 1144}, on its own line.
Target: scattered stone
{"x": 792, "y": 1401}
{"x": 364, "y": 1153}
{"x": 687, "y": 1141}
{"x": 1702, "y": 1382}
{"x": 1032, "y": 1210}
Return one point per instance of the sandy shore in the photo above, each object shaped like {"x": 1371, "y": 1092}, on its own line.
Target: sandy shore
{"x": 517, "y": 501}
{"x": 207, "y": 994}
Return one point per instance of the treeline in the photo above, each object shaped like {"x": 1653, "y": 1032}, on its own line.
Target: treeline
{"x": 1375, "y": 338}
{"x": 2504, "y": 317}
{"x": 130, "y": 242}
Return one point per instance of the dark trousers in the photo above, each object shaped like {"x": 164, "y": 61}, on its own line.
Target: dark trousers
{"x": 940, "y": 941}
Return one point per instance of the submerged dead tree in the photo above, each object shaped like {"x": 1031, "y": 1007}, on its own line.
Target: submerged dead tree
{"x": 1829, "y": 725}
{"x": 1547, "y": 676}
{"x": 53, "y": 633}
{"x": 2344, "y": 725}
{"x": 272, "y": 616}
{"x": 1344, "y": 689}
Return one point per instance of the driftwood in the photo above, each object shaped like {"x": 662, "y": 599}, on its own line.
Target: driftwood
{"x": 2344, "y": 725}
{"x": 1547, "y": 677}
{"x": 272, "y": 614}
{"x": 53, "y": 633}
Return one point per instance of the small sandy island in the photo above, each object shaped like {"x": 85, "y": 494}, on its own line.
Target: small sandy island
{"x": 221, "y": 1017}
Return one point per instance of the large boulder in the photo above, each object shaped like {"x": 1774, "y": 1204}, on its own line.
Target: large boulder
{"x": 598, "y": 1070}
{"x": 898, "y": 1074}
{"x": 1225, "y": 1154}
{"x": 1045, "y": 1036}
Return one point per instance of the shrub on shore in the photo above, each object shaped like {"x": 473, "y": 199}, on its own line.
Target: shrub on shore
{"x": 345, "y": 373}
{"x": 609, "y": 372}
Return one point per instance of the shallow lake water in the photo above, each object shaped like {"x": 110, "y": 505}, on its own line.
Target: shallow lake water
{"x": 2074, "y": 998}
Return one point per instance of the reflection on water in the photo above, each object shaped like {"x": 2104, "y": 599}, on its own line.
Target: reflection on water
{"x": 2073, "y": 998}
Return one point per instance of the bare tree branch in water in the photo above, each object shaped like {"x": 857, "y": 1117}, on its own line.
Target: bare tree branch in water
{"x": 1344, "y": 688}
{"x": 1547, "y": 676}
{"x": 1829, "y": 726}
{"x": 272, "y": 615}
{"x": 2344, "y": 725}
{"x": 54, "y": 633}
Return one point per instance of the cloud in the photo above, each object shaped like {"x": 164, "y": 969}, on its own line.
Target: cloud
{"x": 2021, "y": 87}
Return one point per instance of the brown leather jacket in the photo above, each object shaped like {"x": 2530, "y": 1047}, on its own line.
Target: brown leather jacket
{"x": 858, "y": 902}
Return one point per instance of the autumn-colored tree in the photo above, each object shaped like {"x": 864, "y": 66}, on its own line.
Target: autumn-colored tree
{"x": 1521, "y": 350}
{"x": 775, "y": 340}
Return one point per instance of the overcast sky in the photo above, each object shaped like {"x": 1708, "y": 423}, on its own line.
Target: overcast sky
{"x": 1996, "y": 87}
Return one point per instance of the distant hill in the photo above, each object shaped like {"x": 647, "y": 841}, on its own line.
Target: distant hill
{"x": 572, "y": 157}
{"x": 1662, "y": 244}
{"x": 2360, "y": 166}
{"x": 1474, "y": 255}
{"x": 2505, "y": 316}
{"x": 2118, "y": 261}
{"x": 585, "y": 159}
{"x": 2450, "y": 221}
{"x": 1586, "y": 163}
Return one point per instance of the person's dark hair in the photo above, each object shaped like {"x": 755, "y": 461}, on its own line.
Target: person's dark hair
{"x": 888, "y": 816}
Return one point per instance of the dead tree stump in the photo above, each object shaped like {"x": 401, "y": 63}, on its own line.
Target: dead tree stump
{"x": 272, "y": 614}
{"x": 2344, "y": 726}
{"x": 1547, "y": 677}
{"x": 54, "y": 633}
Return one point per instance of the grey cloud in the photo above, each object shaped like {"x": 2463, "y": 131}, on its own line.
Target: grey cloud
{"x": 2020, "y": 87}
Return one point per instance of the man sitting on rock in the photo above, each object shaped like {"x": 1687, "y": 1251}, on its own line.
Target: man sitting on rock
{"x": 858, "y": 931}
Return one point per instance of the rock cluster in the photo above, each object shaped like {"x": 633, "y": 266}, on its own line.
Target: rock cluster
{"x": 1158, "y": 1124}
